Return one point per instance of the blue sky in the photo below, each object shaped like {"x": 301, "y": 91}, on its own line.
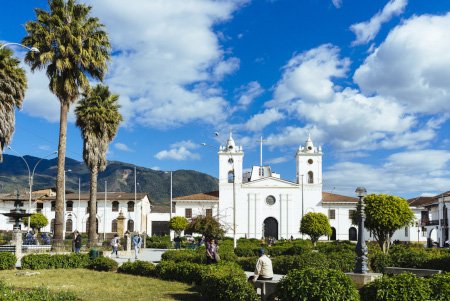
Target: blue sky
{"x": 370, "y": 80}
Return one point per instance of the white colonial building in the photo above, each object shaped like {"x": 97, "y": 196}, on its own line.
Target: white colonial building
{"x": 269, "y": 206}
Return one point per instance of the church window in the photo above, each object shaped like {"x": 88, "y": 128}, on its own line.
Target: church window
{"x": 69, "y": 206}
{"x": 114, "y": 225}
{"x": 39, "y": 207}
{"x": 188, "y": 213}
{"x": 208, "y": 212}
{"x": 69, "y": 225}
{"x": 130, "y": 206}
{"x": 310, "y": 177}
{"x": 115, "y": 206}
{"x": 351, "y": 213}
{"x": 310, "y": 161}
{"x": 230, "y": 176}
{"x": 130, "y": 225}
{"x": 270, "y": 200}
{"x": 331, "y": 213}
{"x": 231, "y": 161}
{"x": 309, "y": 147}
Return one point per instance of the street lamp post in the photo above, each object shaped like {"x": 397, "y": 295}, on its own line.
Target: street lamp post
{"x": 361, "y": 248}
{"x": 30, "y": 176}
{"x": 32, "y": 49}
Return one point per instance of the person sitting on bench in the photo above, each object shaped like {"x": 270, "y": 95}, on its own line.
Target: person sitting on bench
{"x": 263, "y": 269}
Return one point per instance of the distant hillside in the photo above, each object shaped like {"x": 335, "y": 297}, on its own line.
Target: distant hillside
{"x": 119, "y": 177}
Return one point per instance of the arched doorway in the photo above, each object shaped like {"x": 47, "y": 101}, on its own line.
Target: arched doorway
{"x": 333, "y": 233}
{"x": 432, "y": 237}
{"x": 270, "y": 227}
{"x": 352, "y": 234}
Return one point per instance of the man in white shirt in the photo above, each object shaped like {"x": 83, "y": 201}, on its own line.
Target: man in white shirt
{"x": 263, "y": 269}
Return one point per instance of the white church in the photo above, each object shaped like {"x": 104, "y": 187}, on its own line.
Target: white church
{"x": 269, "y": 206}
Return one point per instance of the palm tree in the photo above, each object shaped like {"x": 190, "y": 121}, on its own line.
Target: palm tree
{"x": 98, "y": 118}
{"x": 72, "y": 45}
{"x": 13, "y": 84}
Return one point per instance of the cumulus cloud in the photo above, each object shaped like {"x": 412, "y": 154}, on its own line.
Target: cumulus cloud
{"x": 337, "y": 3}
{"x": 367, "y": 31}
{"x": 123, "y": 147}
{"x": 259, "y": 121}
{"x": 412, "y": 66}
{"x": 247, "y": 93}
{"x": 179, "y": 154}
{"x": 276, "y": 160}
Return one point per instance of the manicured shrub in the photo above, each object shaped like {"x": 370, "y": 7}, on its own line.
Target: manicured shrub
{"x": 36, "y": 294}
{"x": 336, "y": 246}
{"x": 343, "y": 261}
{"x": 58, "y": 261}
{"x": 158, "y": 242}
{"x": 246, "y": 251}
{"x": 181, "y": 271}
{"x": 224, "y": 282}
{"x": 247, "y": 263}
{"x": 402, "y": 287}
{"x": 283, "y": 264}
{"x": 312, "y": 284}
{"x": 138, "y": 267}
{"x": 379, "y": 261}
{"x": 440, "y": 287}
{"x": 183, "y": 255}
{"x": 7, "y": 261}
{"x": 103, "y": 264}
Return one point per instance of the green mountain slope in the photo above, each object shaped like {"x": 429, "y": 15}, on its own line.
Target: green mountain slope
{"x": 119, "y": 177}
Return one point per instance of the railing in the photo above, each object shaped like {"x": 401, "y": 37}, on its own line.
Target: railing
{"x": 434, "y": 222}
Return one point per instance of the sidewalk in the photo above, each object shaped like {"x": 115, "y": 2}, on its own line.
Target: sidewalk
{"x": 153, "y": 255}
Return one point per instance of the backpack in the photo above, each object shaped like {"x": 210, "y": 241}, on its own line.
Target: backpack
{"x": 113, "y": 242}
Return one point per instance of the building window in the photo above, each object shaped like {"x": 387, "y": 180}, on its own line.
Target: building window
{"x": 130, "y": 206}
{"x": 130, "y": 225}
{"x": 351, "y": 214}
{"x": 114, "y": 225}
{"x": 310, "y": 161}
{"x": 174, "y": 207}
{"x": 53, "y": 204}
{"x": 331, "y": 214}
{"x": 69, "y": 225}
{"x": 39, "y": 207}
{"x": 310, "y": 177}
{"x": 69, "y": 206}
{"x": 230, "y": 176}
{"x": 270, "y": 200}
{"x": 208, "y": 212}
{"x": 424, "y": 217}
{"x": 406, "y": 231}
{"x": 52, "y": 225}
{"x": 424, "y": 232}
{"x": 115, "y": 207}
{"x": 188, "y": 213}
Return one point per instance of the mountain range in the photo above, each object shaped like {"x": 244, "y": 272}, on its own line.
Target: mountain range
{"x": 119, "y": 177}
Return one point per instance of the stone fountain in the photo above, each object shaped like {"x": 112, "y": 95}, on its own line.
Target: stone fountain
{"x": 17, "y": 213}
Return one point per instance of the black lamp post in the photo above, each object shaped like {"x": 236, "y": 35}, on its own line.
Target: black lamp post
{"x": 361, "y": 248}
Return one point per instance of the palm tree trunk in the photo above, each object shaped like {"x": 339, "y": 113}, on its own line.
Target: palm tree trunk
{"x": 59, "y": 204}
{"x": 92, "y": 236}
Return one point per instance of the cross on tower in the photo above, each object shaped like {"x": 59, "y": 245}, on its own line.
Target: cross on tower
{"x": 261, "y": 141}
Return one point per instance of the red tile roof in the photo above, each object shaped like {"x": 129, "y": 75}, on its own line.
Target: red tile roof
{"x": 337, "y": 198}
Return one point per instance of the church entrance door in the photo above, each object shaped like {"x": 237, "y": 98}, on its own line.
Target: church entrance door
{"x": 333, "y": 233}
{"x": 271, "y": 227}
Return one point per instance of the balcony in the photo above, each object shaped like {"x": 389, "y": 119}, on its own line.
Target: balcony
{"x": 435, "y": 222}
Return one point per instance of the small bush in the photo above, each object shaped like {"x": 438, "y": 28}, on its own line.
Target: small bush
{"x": 379, "y": 261}
{"x": 139, "y": 268}
{"x": 402, "y": 287}
{"x": 58, "y": 261}
{"x": 182, "y": 271}
{"x": 103, "y": 264}
{"x": 343, "y": 261}
{"x": 283, "y": 264}
{"x": 183, "y": 255}
{"x": 311, "y": 284}
{"x": 440, "y": 287}
{"x": 158, "y": 242}
{"x": 36, "y": 294}
{"x": 7, "y": 261}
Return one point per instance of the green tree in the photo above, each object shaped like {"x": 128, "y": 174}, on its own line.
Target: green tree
{"x": 385, "y": 214}
{"x": 37, "y": 221}
{"x": 207, "y": 226}
{"x": 178, "y": 224}
{"x": 98, "y": 118}
{"x": 315, "y": 225}
{"x": 13, "y": 84}
{"x": 72, "y": 46}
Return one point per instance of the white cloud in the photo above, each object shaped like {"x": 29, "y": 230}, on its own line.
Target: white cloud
{"x": 172, "y": 48}
{"x": 179, "y": 154}
{"x": 123, "y": 147}
{"x": 295, "y": 136}
{"x": 188, "y": 144}
{"x": 277, "y": 160}
{"x": 259, "y": 121}
{"x": 337, "y": 3}
{"x": 403, "y": 173}
{"x": 412, "y": 66}
{"x": 247, "y": 93}
{"x": 366, "y": 31}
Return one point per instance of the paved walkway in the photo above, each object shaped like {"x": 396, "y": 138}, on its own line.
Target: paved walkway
{"x": 153, "y": 255}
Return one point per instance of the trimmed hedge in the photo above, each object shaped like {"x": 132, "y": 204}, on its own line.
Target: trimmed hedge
{"x": 58, "y": 261}
{"x": 184, "y": 255}
{"x": 7, "y": 261}
{"x": 138, "y": 267}
{"x": 181, "y": 271}
{"x": 440, "y": 287}
{"x": 103, "y": 264}
{"x": 158, "y": 242}
{"x": 36, "y": 294}
{"x": 402, "y": 287}
{"x": 317, "y": 285}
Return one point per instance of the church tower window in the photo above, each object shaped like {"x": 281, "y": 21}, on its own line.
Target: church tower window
{"x": 230, "y": 176}
{"x": 310, "y": 177}
{"x": 270, "y": 200}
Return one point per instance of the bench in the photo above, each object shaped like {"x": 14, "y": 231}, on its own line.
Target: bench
{"x": 36, "y": 248}
{"x": 266, "y": 287}
{"x": 417, "y": 272}
{"x": 8, "y": 248}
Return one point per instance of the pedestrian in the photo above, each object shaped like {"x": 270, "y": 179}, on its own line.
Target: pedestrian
{"x": 177, "y": 241}
{"x": 210, "y": 249}
{"x": 77, "y": 242}
{"x": 115, "y": 245}
{"x": 137, "y": 245}
{"x": 263, "y": 269}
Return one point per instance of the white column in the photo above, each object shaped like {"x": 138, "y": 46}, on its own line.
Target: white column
{"x": 287, "y": 217}
{"x": 256, "y": 233}
{"x": 280, "y": 224}
{"x": 248, "y": 216}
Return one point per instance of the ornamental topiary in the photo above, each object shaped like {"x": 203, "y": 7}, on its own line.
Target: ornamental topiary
{"x": 7, "y": 261}
{"x": 402, "y": 287}
{"x": 315, "y": 225}
{"x": 317, "y": 285}
{"x": 103, "y": 264}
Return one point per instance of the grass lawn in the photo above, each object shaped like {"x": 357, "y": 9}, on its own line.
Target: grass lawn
{"x": 91, "y": 285}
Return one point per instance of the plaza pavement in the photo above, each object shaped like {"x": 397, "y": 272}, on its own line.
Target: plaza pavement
{"x": 153, "y": 255}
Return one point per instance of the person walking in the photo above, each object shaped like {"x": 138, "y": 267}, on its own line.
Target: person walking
{"x": 136, "y": 245}
{"x": 77, "y": 242}
{"x": 115, "y": 245}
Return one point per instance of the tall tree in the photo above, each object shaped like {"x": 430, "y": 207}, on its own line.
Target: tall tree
{"x": 385, "y": 214}
{"x": 98, "y": 118}
{"x": 72, "y": 46}
{"x": 13, "y": 84}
